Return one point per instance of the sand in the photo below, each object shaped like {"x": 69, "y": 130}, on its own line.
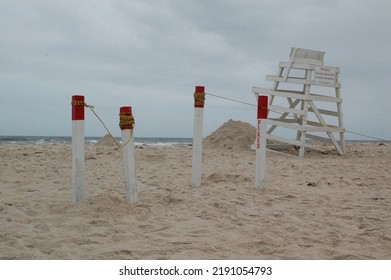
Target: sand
{"x": 323, "y": 206}
{"x": 107, "y": 140}
{"x": 232, "y": 135}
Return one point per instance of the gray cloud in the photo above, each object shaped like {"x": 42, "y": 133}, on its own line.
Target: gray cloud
{"x": 151, "y": 54}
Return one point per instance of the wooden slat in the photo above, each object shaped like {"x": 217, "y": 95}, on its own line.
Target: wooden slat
{"x": 272, "y": 91}
{"x": 284, "y": 120}
{"x": 292, "y": 80}
{"x": 282, "y": 93}
{"x": 308, "y": 61}
{"x": 287, "y": 123}
{"x": 295, "y": 80}
{"x": 311, "y": 125}
{"x": 325, "y": 112}
{"x": 297, "y": 95}
{"x": 314, "y": 126}
{"x": 322, "y": 121}
{"x": 336, "y": 143}
{"x": 302, "y": 66}
{"x": 324, "y": 98}
{"x": 286, "y": 110}
{"x": 307, "y": 54}
{"x": 295, "y": 65}
{"x": 292, "y": 105}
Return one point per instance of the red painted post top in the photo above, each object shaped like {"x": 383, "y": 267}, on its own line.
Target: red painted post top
{"x": 127, "y": 110}
{"x": 78, "y": 108}
{"x": 262, "y": 107}
{"x": 199, "y": 97}
{"x": 126, "y": 119}
{"x": 199, "y": 89}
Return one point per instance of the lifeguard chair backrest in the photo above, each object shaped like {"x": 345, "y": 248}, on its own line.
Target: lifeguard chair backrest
{"x": 306, "y": 56}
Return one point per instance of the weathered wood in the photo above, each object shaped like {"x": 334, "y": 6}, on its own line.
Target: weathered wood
{"x": 340, "y": 118}
{"x": 287, "y": 123}
{"x": 326, "y": 112}
{"x": 296, "y": 80}
{"x": 303, "y": 118}
{"x": 318, "y": 127}
{"x": 324, "y": 98}
{"x": 284, "y": 115}
{"x": 309, "y": 63}
{"x": 308, "y": 56}
{"x": 325, "y": 76}
{"x": 297, "y": 95}
{"x": 286, "y": 110}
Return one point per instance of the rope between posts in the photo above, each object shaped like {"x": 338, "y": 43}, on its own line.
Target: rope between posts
{"x": 368, "y": 136}
{"x": 91, "y": 107}
{"x": 230, "y": 99}
{"x": 250, "y": 104}
{"x": 238, "y": 101}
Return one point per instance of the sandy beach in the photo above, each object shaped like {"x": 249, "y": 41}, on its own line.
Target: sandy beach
{"x": 323, "y": 206}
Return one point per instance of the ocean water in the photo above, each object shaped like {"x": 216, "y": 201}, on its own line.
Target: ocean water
{"x": 39, "y": 140}
{"x": 150, "y": 141}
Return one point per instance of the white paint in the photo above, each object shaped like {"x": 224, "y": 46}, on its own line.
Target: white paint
{"x": 260, "y": 146}
{"x": 197, "y": 147}
{"x": 302, "y": 113}
{"x": 129, "y": 165}
{"x": 325, "y": 76}
{"x": 78, "y": 155}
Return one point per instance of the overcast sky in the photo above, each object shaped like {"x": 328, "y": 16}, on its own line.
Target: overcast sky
{"x": 151, "y": 54}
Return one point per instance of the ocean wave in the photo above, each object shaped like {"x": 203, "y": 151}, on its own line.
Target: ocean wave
{"x": 139, "y": 141}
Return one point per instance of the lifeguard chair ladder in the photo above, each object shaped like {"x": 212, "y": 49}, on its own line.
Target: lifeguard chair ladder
{"x": 293, "y": 82}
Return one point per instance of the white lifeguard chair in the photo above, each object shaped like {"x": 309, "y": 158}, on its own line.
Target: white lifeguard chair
{"x": 304, "y": 83}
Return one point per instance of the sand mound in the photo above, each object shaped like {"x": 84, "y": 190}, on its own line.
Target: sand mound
{"x": 232, "y": 135}
{"x": 107, "y": 140}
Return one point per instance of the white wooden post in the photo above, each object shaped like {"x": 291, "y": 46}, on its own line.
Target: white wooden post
{"x": 260, "y": 143}
{"x": 78, "y": 154}
{"x": 199, "y": 101}
{"x": 126, "y": 125}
